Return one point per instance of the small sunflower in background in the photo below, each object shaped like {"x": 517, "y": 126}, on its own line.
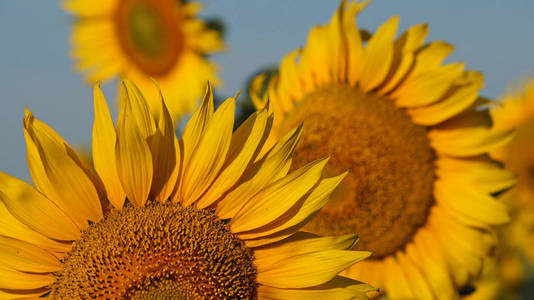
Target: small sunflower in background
{"x": 415, "y": 139}
{"x": 143, "y": 39}
{"x": 200, "y": 217}
{"x": 515, "y": 111}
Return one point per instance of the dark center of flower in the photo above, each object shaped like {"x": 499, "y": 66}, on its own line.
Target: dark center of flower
{"x": 161, "y": 251}
{"x": 388, "y": 192}
{"x": 149, "y": 33}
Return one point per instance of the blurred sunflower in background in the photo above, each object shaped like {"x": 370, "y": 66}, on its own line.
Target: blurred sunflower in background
{"x": 143, "y": 39}
{"x": 159, "y": 217}
{"x": 515, "y": 111}
{"x": 415, "y": 138}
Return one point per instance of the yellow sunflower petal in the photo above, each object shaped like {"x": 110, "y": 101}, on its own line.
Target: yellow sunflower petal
{"x": 133, "y": 156}
{"x": 419, "y": 284}
{"x": 480, "y": 171}
{"x": 378, "y": 55}
{"x": 290, "y": 188}
{"x": 396, "y": 282}
{"x": 355, "y": 52}
{"x": 467, "y": 141}
{"x": 311, "y": 204}
{"x": 316, "y": 59}
{"x": 35, "y": 210}
{"x": 12, "y": 227}
{"x": 272, "y": 167}
{"x": 463, "y": 265}
{"x": 428, "y": 87}
{"x": 244, "y": 147}
{"x": 277, "y": 236}
{"x": 24, "y": 294}
{"x": 404, "y": 55}
{"x": 104, "y": 140}
{"x": 166, "y": 165}
{"x": 25, "y": 257}
{"x": 459, "y": 99}
{"x": 192, "y": 133}
{"x": 57, "y": 173}
{"x": 430, "y": 57}
{"x": 337, "y": 288}
{"x": 136, "y": 106}
{"x": 288, "y": 70}
{"x": 302, "y": 243}
{"x": 11, "y": 279}
{"x": 309, "y": 269}
{"x": 471, "y": 203}
{"x": 427, "y": 253}
{"x": 210, "y": 154}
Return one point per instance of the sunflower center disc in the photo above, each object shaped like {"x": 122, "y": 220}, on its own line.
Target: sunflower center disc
{"x": 161, "y": 251}
{"x": 388, "y": 192}
{"x": 148, "y": 31}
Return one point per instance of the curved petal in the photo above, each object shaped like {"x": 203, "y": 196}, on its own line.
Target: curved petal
{"x": 134, "y": 160}
{"x": 210, "y": 154}
{"x": 56, "y": 172}
{"x": 103, "y": 145}
{"x": 191, "y": 135}
{"x": 164, "y": 147}
{"x": 302, "y": 243}
{"x": 459, "y": 99}
{"x": 378, "y": 55}
{"x": 244, "y": 147}
{"x": 480, "y": 171}
{"x": 309, "y": 269}
{"x": 25, "y": 257}
{"x": 35, "y": 210}
{"x": 428, "y": 87}
{"x": 472, "y": 204}
{"x": 11, "y": 279}
{"x": 133, "y": 101}
{"x": 339, "y": 288}
{"x": 34, "y": 294}
{"x": 468, "y": 134}
{"x": 355, "y": 51}
{"x": 12, "y": 227}
{"x": 266, "y": 206}
{"x": 270, "y": 168}
{"x": 419, "y": 284}
{"x": 427, "y": 254}
{"x": 404, "y": 56}
{"x": 396, "y": 282}
{"x": 297, "y": 214}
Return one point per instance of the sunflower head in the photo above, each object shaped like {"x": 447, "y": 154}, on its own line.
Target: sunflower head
{"x": 412, "y": 133}
{"x": 515, "y": 111}
{"x": 212, "y": 214}
{"x": 138, "y": 39}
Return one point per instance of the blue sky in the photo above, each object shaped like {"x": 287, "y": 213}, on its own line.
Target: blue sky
{"x": 496, "y": 37}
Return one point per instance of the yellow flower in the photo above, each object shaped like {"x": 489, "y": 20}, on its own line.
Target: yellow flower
{"x": 515, "y": 111}
{"x": 197, "y": 217}
{"x": 414, "y": 139}
{"x": 139, "y": 39}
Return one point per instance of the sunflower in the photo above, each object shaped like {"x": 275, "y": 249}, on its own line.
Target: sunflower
{"x": 203, "y": 216}
{"x": 515, "y": 111}
{"x": 139, "y": 39}
{"x": 413, "y": 135}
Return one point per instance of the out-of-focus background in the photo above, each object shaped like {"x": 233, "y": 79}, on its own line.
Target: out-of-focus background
{"x": 494, "y": 36}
